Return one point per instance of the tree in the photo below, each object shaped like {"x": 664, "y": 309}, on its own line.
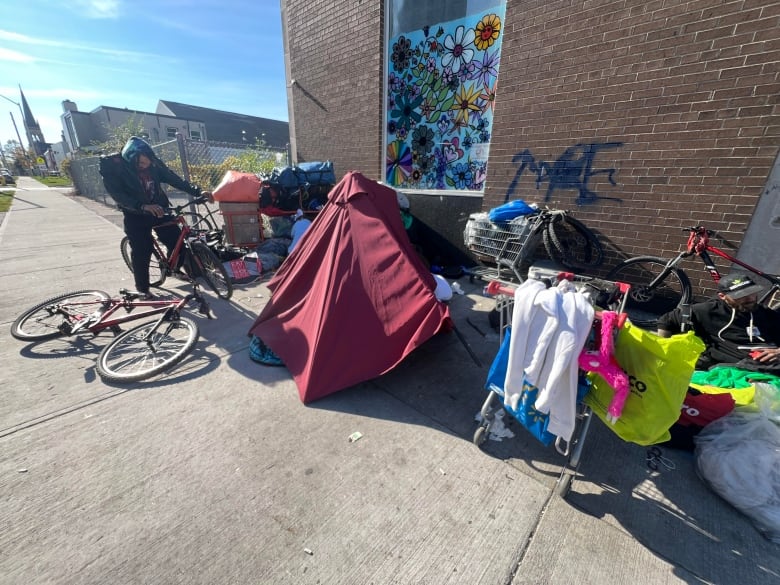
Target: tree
{"x": 119, "y": 135}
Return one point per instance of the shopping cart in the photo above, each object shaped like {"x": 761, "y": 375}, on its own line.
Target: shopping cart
{"x": 507, "y": 245}
{"x": 606, "y": 296}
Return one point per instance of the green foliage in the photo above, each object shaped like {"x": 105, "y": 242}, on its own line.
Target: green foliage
{"x": 6, "y": 198}
{"x": 119, "y": 135}
{"x": 65, "y": 168}
{"x": 257, "y": 160}
{"x": 54, "y": 181}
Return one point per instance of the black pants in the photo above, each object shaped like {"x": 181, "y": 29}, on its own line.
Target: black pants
{"x": 139, "y": 231}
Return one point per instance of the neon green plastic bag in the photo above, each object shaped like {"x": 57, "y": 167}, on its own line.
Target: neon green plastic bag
{"x": 659, "y": 370}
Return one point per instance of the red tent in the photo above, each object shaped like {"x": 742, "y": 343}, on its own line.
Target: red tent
{"x": 353, "y": 299}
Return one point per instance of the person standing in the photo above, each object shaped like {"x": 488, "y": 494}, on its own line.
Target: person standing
{"x": 134, "y": 180}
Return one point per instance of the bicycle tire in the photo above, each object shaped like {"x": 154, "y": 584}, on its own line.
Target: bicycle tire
{"x": 157, "y": 271}
{"x": 645, "y": 305}
{"x": 211, "y": 269}
{"x": 574, "y": 244}
{"x": 56, "y": 324}
{"x": 198, "y": 222}
{"x": 129, "y": 358}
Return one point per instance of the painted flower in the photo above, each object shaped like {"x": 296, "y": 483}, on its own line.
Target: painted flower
{"x": 399, "y": 162}
{"x": 447, "y": 76}
{"x": 487, "y": 69}
{"x": 487, "y": 31}
{"x": 401, "y": 53}
{"x": 457, "y": 51}
{"x": 465, "y": 103}
{"x": 462, "y": 175}
{"x": 394, "y": 82}
{"x": 427, "y": 108}
{"x": 431, "y": 65}
{"x": 443, "y": 124}
{"x": 406, "y": 111}
{"x": 488, "y": 97}
{"x": 422, "y": 139}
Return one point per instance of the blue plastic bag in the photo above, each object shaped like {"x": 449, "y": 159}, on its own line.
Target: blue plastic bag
{"x": 534, "y": 421}
{"x": 509, "y": 211}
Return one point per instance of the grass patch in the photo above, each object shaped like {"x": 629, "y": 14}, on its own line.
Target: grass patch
{"x": 6, "y": 198}
{"x": 54, "y": 181}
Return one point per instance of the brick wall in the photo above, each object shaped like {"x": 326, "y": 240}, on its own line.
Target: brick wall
{"x": 679, "y": 98}
{"x": 335, "y": 58}
{"x": 674, "y": 101}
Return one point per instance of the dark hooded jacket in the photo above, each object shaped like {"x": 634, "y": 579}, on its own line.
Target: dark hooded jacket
{"x": 121, "y": 180}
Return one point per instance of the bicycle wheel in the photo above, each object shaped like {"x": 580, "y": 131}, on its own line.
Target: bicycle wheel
{"x": 157, "y": 272}
{"x": 573, "y": 244}
{"x": 131, "y": 357}
{"x": 645, "y": 303}
{"x": 210, "y": 268}
{"x": 57, "y": 316}
{"x": 198, "y": 223}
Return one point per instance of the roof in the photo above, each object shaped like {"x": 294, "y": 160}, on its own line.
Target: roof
{"x": 231, "y": 127}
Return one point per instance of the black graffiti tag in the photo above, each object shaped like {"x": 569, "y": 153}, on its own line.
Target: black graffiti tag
{"x": 572, "y": 170}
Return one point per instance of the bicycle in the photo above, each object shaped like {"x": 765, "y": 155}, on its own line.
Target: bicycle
{"x": 133, "y": 355}
{"x": 198, "y": 259}
{"x": 658, "y": 285}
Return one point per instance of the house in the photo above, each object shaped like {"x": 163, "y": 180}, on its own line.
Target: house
{"x": 82, "y": 130}
{"x": 231, "y": 127}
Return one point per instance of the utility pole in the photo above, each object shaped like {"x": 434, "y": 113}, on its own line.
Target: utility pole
{"x": 21, "y": 144}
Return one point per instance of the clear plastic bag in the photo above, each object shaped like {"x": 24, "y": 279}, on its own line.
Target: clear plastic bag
{"x": 738, "y": 457}
{"x": 767, "y": 399}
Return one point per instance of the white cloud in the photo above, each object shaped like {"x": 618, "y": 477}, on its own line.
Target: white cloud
{"x": 99, "y": 8}
{"x": 15, "y": 56}
{"x": 28, "y": 40}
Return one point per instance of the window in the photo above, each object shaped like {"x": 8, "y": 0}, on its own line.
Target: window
{"x": 442, "y": 67}
{"x": 195, "y": 134}
{"x": 170, "y": 131}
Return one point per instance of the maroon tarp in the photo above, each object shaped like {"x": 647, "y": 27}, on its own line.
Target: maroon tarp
{"x": 353, "y": 299}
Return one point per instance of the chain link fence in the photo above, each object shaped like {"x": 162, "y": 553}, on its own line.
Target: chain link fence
{"x": 201, "y": 163}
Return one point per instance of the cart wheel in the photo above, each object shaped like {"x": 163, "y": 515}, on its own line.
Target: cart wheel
{"x": 480, "y": 435}
{"x": 563, "y": 485}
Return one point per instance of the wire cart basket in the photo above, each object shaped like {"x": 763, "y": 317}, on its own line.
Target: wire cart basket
{"x": 509, "y": 245}
{"x": 505, "y": 299}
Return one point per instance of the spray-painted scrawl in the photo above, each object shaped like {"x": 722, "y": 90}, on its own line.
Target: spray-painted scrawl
{"x": 572, "y": 170}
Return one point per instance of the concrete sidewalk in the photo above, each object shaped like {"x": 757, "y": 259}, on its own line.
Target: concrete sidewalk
{"x": 217, "y": 474}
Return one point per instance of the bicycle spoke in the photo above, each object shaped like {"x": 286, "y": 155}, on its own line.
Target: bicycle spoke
{"x": 147, "y": 350}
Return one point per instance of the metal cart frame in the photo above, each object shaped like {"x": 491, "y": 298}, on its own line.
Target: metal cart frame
{"x": 504, "y": 296}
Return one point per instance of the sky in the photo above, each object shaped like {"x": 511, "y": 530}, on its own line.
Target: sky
{"x": 221, "y": 54}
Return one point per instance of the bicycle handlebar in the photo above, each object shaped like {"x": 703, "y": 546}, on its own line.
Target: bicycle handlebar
{"x": 176, "y": 211}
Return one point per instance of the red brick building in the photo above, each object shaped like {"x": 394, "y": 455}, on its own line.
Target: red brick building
{"x": 640, "y": 116}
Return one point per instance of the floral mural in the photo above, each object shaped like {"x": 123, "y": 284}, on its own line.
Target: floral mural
{"x": 441, "y": 86}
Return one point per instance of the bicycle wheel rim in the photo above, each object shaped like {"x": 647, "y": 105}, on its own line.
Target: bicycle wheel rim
{"x": 42, "y": 322}
{"x": 644, "y": 305}
{"x": 157, "y": 271}
{"x": 210, "y": 268}
{"x": 130, "y": 357}
{"x": 575, "y": 245}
